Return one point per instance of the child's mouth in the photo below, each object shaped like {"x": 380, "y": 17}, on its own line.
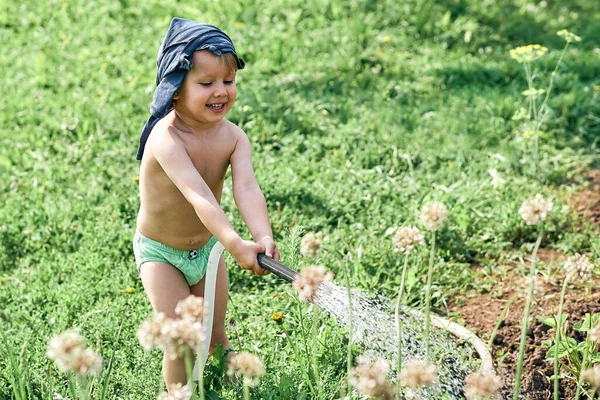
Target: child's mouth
{"x": 216, "y": 107}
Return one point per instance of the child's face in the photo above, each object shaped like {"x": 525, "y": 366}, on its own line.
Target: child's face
{"x": 208, "y": 90}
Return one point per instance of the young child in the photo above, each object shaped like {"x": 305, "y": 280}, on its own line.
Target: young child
{"x": 186, "y": 147}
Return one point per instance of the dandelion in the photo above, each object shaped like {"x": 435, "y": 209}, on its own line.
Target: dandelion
{"x": 434, "y": 215}
{"x": 129, "y": 290}
{"x": 570, "y": 37}
{"x": 311, "y": 244}
{"x": 180, "y": 335}
{"x": 407, "y": 238}
{"x": 535, "y": 209}
{"x": 192, "y": 308}
{"x": 592, "y": 376}
{"x": 418, "y": 374}
{"x": 277, "y": 316}
{"x": 248, "y": 365}
{"x": 71, "y": 354}
{"x": 482, "y": 386}
{"x": 595, "y": 334}
{"x": 310, "y": 278}
{"x": 177, "y": 391}
{"x": 579, "y": 267}
{"x": 528, "y": 53}
{"x": 369, "y": 377}
{"x": 136, "y": 179}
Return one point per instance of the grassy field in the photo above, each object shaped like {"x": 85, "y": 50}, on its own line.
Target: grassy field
{"x": 359, "y": 112}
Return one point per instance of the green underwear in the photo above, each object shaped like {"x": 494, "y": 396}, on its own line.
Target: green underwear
{"x": 192, "y": 264}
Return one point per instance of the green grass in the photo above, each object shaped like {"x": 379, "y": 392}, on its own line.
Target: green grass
{"x": 358, "y": 112}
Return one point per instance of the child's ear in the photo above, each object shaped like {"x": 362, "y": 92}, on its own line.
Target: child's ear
{"x": 176, "y": 96}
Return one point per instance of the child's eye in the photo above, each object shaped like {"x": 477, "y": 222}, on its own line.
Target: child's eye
{"x": 229, "y": 82}
{"x": 206, "y": 83}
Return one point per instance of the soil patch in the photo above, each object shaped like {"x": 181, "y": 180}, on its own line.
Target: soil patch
{"x": 587, "y": 201}
{"x": 481, "y": 312}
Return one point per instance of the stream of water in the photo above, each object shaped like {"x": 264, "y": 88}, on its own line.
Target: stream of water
{"x": 374, "y": 327}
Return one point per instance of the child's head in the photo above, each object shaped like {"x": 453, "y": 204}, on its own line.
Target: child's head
{"x": 208, "y": 90}
{"x": 177, "y": 55}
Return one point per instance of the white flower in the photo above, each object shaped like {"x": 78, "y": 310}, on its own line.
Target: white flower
{"x": 579, "y": 267}
{"x": 311, "y": 244}
{"x": 535, "y": 209}
{"x": 177, "y": 391}
{"x": 248, "y": 365}
{"x": 434, "y": 215}
{"x": 192, "y": 308}
{"x": 309, "y": 279}
{"x": 483, "y": 386}
{"x": 418, "y": 373}
{"x": 406, "y": 239}
{"x": 369, "y": 377}
{"x": 595, "y": 334}
{"x": 71, "y": 354}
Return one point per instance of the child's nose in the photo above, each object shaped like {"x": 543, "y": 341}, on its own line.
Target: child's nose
{"x": 220, "y": 89}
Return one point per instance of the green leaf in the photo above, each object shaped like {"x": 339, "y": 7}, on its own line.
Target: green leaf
{"x": 550, "y": 321}
{"x": 584, "y": 326}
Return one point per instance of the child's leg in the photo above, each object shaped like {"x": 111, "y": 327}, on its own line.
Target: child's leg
{"x": 165, "y": 287}
{"x": 219, "y": 336}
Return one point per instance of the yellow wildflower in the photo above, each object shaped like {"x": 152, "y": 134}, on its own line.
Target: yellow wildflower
{"x": 533, "y": 92}
{"x": 238, "y": 24}
{"x": 597, "y": 87}
{"x": 278, "y": 316}
{"x": 386, "y": 38}
{"x": 407, "y": 54}
{"x": 570, "y": 37}
{"x": 528, "y": 53}
{"x": 129, "y": 290}
{"x": 335, "y": 152}
{"x": 64, "y": 5}
{"x": 136, "y": 179}
{"x": 379, "y": 52}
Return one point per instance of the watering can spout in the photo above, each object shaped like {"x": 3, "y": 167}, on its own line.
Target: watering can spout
{"x": 277, "y": 268}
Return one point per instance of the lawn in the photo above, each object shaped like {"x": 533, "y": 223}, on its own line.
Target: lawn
{"x": 359, "y": 113}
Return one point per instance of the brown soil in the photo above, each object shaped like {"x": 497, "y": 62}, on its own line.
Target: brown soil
{"x": 587, "y": 201}
{"x": 481, "y": 311}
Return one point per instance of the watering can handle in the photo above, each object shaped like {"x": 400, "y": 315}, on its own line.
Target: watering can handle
{"x": 276, "y": 268}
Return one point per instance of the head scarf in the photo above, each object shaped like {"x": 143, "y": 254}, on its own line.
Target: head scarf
{"x": 175, "y": 60}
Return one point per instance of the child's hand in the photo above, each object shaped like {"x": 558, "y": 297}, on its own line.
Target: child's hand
{"x": 270, "y": 247}
{"x": 246, "y": 254}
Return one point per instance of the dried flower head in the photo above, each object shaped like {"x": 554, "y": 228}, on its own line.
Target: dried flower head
{"x": 248, "y": 365}
{"x": 369, "y": 377}
{"x": 71, "y": 354}
{"x": 311, "y": 244}
{"x": 595, "y": 334}
{"x": 579, "y": 267}
{"x": 179, "y": 335}
{"x": 308, "y": 281}
{"x": 177, "y": 391}
{"x": 173, "y": 336}
{"x": 570, "y": 37}
{"x": 483, "y": 386}
{"x": 528, "y": 53}
{"x": 418, "y": 373}
{"x": 592, "y": 376}
{"x": 407, "y": 238}
{"x": 149, "y": 333}
{"x": 192, "y": 308}
{"x": 535, "y": 209}
{"x": 434, "y": 215}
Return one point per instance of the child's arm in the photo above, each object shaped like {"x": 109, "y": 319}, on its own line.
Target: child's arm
{"x": 174, "y": 160}
{"x": 248, "y": 196}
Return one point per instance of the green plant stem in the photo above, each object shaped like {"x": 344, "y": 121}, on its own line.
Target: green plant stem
{"x": 200, "y": 362}
{"x": 189, "y": 371}
{"x": 557, "y": 337}
{"x": 550, "y": 84}
{"x": 246, "y": 390}
{"x": 315, "y": 342}
{"x": 399, "y": 324}
{"x": 586, "y": 352}
{"x": 525, "y": 321}
{"x": 349, "y": 350}
{"x": 428, "y": 298}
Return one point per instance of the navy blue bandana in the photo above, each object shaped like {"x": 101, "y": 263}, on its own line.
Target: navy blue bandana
{"x": 175, "y": 60}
